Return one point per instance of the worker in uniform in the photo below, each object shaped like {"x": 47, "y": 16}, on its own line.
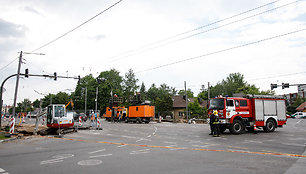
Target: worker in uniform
{"x": 211, "y": 118}
{"x": 92, "y": 119}
{"x": 215, "y": 124}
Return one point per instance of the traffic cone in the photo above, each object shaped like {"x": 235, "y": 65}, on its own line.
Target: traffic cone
{"x": 12, "y": 125}
{"x": 255, "y": 130}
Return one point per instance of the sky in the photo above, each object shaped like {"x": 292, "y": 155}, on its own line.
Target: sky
{"x": 134, "y": 34}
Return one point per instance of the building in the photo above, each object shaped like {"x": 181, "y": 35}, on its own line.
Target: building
{"x": 302, "y": 107}
{"x": 179, "y": 106}
{"x": 6, "y": 108}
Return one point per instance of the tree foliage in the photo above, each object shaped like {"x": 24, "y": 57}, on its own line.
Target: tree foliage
{"x": 234, "y": 83}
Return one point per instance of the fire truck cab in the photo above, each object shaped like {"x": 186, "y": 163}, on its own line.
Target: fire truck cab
{"x": 259, "y": 111}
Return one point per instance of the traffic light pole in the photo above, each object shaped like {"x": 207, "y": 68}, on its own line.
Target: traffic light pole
{"x": 32, "y": 75}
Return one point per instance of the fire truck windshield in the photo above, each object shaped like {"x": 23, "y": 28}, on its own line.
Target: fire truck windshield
{"x": 217, "y": 104}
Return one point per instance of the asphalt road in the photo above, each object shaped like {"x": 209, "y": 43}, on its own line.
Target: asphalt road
{"x": 159, "y": 148}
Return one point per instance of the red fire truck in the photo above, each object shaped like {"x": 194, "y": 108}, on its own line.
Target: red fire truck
{"x": 249, "y": 112}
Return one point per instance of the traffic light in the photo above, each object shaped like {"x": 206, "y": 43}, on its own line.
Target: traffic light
{"x": 285, "y": 85}
{"x": 26, "y": 74}
{"x": 273, "y": 86}
{"x": 55, "y": 76}
{"x": 79, "y": 79}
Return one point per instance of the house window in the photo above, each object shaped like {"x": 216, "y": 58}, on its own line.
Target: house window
{"x": 181, "y": 114}
{"x": 136, "y": 108}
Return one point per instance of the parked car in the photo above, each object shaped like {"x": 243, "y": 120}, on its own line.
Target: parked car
{"x": 299, "y": 115}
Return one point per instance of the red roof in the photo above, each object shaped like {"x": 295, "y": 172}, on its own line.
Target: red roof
{"x": 301, "y": 107}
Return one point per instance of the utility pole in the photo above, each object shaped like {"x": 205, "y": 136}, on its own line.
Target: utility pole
{"x": 96, "y": 99}
{"x": 186, "y": 98}
{"x": 85, "y": 99}
{"x": 17, "y": 83}
{"x": 208, "y": 91}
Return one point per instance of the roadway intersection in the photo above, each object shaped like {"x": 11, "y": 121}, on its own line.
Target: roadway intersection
{"x": 159, "y": 148}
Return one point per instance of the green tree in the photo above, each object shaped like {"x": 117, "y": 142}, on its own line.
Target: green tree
{"x": 189, "y": 93}
{"x": 89, "y": 84}
{"x": 111, "y": 84}
{"x": 129, "y": 85}
{"x": 195, "y": 108}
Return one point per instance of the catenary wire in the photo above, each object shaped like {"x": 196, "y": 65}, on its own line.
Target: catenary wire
{"x": 205, "y": 31}
{"x": 189, "y": 31}
{"x": 77, "y": 26}
{"x": 8, "y": 64}
{"x": 224, "y": 50}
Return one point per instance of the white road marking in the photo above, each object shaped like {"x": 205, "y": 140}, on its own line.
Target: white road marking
{"x": 149, "y": 136}
{"x": 123, "y": 136}
{"x": 97, "y": 151}
{"x": 143, "y": 139}
{"x": 91, "y": 162}
{"x": 2, "y": 170}
{"x": 50, "y": 161}
{"x": 140, "y": 151}
{"x": 97, "y": 156}
{"x": 299, "y": 121}
{"x": 122, "y": 145}
{"x": 291, "y": 144}
{"x": 57, "y": 159}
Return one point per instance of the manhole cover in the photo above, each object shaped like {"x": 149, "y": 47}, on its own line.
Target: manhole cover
{"x": 89, "y": 162}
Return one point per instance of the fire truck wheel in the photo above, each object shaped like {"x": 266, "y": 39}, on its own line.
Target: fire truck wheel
{"x": 270, "y": 126}
{"x": 222, "y": 128}
{"x": 236, "y": 127}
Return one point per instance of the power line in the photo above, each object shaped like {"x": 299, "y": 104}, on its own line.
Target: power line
{"x": 8, "y": 64}
{"x": 282, "y": 75}
{"x": 155, "y": 45}
{"x": 224, "y": 50}
{"x": 77, "y": 26}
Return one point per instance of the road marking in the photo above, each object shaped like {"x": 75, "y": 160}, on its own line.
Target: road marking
{"x": 122, "y": 145}
{"x": 97, "y": 151}
{"x": 140, "y": 151}
{"x": 91, "y": 162}
{"x": 97, "y": 156}
{"x": 50, "y": 161}
{"x": 195, "y": 149}
{"x": 2, "y": 170}
{"x": 143, "y": 139}
{"x": 291, "y": 144}
{"x": 56, "y": 159}
{"x": 299, "y": 121}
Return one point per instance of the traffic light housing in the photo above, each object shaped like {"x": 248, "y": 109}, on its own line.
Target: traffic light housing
{"x": 273, "y": 86}
{"x": 26, "y": 73}
{"x": 285, "y": 85}
{"x": 79, "y": 79}
{"x": 55, "y": 76}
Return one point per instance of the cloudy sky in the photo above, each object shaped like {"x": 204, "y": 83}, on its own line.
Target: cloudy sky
{"x": 138, "y": 34}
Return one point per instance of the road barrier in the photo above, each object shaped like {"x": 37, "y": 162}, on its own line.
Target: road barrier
{"x": 12, "y": 125}
{"x": 80, "y": 120}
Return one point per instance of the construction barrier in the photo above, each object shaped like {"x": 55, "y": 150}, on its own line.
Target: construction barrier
{"x": 99, "y": 123}
{"x": 80, "y": 120}
{"x": 12, "y": 125}
{"x": 43, "y": 120}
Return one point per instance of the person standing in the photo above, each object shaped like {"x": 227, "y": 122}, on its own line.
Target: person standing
{"x": 215, "y": 124}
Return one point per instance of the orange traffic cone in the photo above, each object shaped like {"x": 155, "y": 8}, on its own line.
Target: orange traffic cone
{"x": 255, "y": 128}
